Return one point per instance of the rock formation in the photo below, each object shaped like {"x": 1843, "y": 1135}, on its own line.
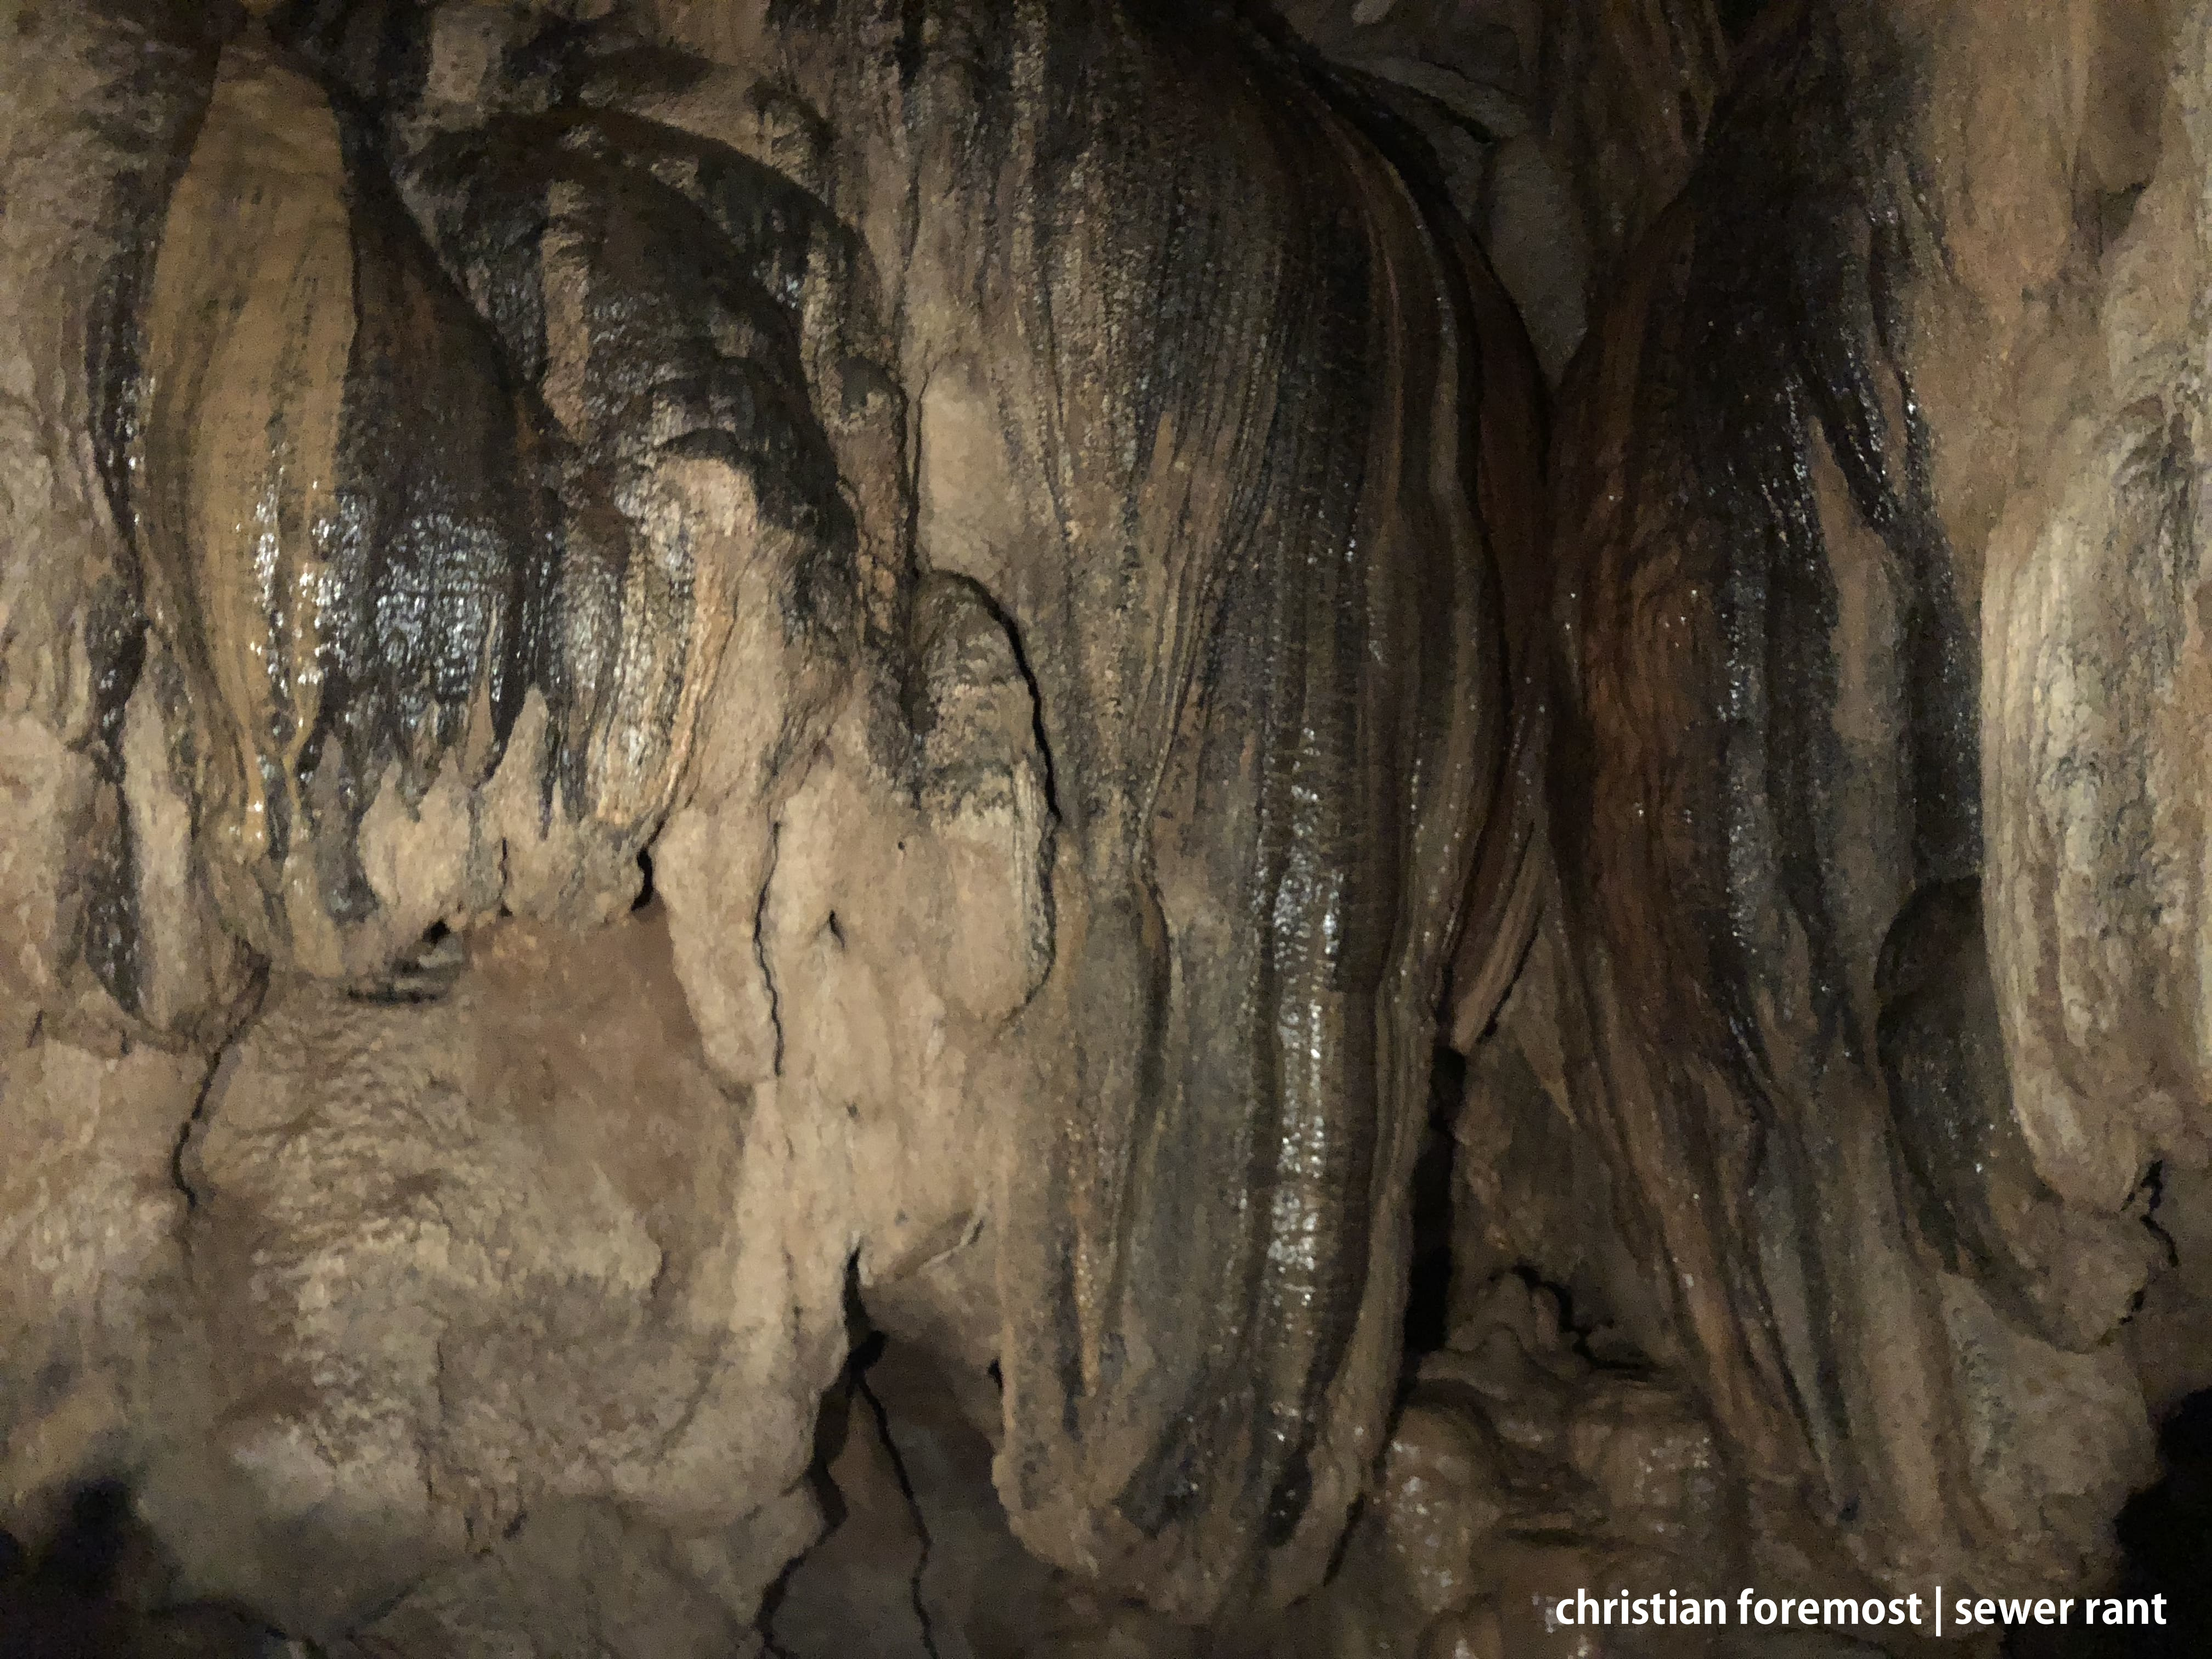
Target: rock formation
{"x": 988, "y": 828}
{"x": 1871, "y": 873}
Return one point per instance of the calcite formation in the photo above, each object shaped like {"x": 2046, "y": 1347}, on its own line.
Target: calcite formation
{"x": 1044, "y": 637}
{"x": 986, "y": 827}
{"x": 1870, "y": 638}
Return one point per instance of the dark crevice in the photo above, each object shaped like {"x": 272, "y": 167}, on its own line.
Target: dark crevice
{"x": 830, "y": 1427}
{"x": 1737, "y": 17}
{"x": 644, "y": 888}
{"x": 248, "y": 1009}
{"x": 2167, "y": 1531}
{"x": 2115, "y": 212}
{"x": 93, "y": 1589}
{"x": 913, "y": 1504}
{"x": 177, "y": 1177}
{"x": 772, "y": 1597}
{"x": 2165, "y": 1535}
{"x": 760, "y": 945}
{"x": 1428, "y": 1287}
{"x": 83, "y": 1556}
{"x": 869, "y": 1344}
{"x": 2151, "y": 1190}
{"x": 833, "y": 1430}
{"x": 426, "y": 973}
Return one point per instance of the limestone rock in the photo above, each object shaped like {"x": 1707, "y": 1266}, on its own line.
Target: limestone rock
{"x": 90, "y": 1251}
{"x": 684, "y": 684}
{"x": 471, "y": 1258}
{"x": 1886, "y": 398}
{"x": 1653, "y": 1462}
{"x": 661, "y": 747}
{"x": 1441, "y": 1496}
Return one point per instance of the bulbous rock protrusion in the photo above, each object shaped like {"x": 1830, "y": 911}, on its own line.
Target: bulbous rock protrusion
{"x": 447, "y": 613}
{"x": 521, "y": 478}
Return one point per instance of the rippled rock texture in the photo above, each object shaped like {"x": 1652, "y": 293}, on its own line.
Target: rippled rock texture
{"x": 1880, "y": 539}
{"x": 670, "y": 674}
{"x": 751, "y": 756}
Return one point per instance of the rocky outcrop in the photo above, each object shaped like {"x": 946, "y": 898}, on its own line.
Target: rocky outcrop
{"x": 996, "y": 829}
{"x": 737, "y": 681}
{"x": 1561, "y": 130}
{"x": 1875, "y": 543}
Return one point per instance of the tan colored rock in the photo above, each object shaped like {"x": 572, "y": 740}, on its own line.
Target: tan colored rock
{"x": 1025, "y": 527}
{"x": 569, "y": 1569}
{"x": 1525, "y": 1400}
{"x": 97, "y": 106}
{"x": 1652, "y": 1460}
{"x": 501, "y": 1259}
{"x": 1440, "y": 1498}
{"x": 92, "y": 1368}
{"x": 1475, "y": 1632}
{"x": 457, "y": 517}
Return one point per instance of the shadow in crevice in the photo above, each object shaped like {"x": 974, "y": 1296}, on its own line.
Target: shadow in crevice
{"x": 1737, "y": 17}
{"x": 86, "y": 1592}
{"x": 2165, "y": 1534}
{"x": 1428, "y": 1285}
{"x": 832, "y": 1427}
{"x": 859, "y": 1586}
{"x": 85, "y": 1555}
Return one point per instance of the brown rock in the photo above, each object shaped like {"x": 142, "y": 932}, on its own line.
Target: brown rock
{"x": 1524, "y": 1400}
{"x": 1470, "y": 1632}
{"x": 91, "y": 1373}
{"x": 1441, "y": 1496}
{"x": 1655, "y": 1463}
{"x": 1831, "y": 429}
{"x": 676, "y": 679}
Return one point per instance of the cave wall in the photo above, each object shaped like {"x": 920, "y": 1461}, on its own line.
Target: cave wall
{"x": 731, "y": 743}
{"x": 1875, "y": 500}
{"x": 682, "y": 681}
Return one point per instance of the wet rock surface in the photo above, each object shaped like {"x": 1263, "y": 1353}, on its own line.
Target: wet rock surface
{"x": 990, "y": 830}
{"x": 1817, "y": 757}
